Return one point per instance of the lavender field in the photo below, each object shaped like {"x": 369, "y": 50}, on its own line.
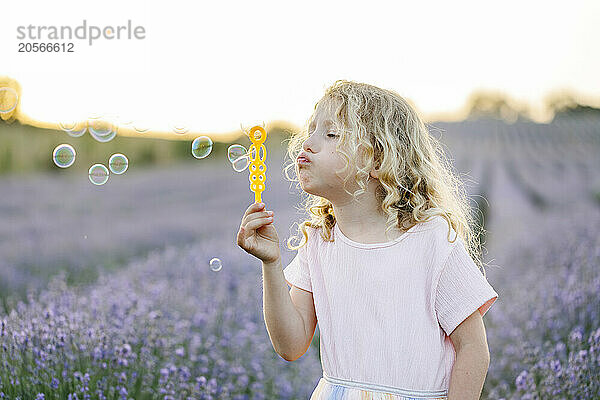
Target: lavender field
{"x": 107, "y": 291}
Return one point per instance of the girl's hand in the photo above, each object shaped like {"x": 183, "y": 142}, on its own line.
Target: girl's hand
{"x": 257, "y": 235}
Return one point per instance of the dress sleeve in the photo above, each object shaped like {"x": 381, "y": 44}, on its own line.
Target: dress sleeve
{"x": 461, "y": 289}
{"x": 297, "y": 272}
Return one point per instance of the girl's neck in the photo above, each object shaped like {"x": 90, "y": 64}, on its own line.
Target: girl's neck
{"x": 362, "y": 219}
{"x": 375, "y": 233}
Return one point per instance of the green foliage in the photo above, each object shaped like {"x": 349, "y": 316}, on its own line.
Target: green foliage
{"x": 28, "y": 149}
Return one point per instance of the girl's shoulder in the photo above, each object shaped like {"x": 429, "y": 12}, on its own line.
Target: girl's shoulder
{"x": 316, "y": 236}
{"x": 312, "y": 234}
{"x": 440, "y": 231}
{"x": 434, "y": 223}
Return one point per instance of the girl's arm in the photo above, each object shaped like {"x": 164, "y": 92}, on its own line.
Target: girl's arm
{"x": 472, "y": 359}
{"x": 468, "y": 374}
{"x": 284, "y": 323}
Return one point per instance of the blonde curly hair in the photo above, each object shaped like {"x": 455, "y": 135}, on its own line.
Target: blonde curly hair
{"x": 379, "y": 129}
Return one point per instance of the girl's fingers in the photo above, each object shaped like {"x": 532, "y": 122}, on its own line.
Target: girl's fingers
{"x": 255, "y": 215}
{"x": 257, "y": 223}
{"x": 253, "y": 208}
{"x": 241, "y": 237}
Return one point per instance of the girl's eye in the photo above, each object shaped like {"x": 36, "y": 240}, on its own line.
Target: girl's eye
{"x": 331, "y": 135}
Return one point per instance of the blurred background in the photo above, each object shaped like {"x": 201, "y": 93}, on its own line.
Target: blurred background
{"x": 512, "y": 92}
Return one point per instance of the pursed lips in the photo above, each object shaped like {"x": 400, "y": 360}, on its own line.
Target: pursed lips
{"x": 302, "y": 160}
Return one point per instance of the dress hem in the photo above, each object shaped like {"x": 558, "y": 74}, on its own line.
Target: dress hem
{"x": 422, "y": 394}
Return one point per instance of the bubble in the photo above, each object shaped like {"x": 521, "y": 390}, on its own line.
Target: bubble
{"x": 118, "y": 163}
{"x": 67, "y": 126}
{"x": 73, "y": 128}
{"x": 95, "y": 115}
{"x": 201, "y": 146}
{"x": 215, "y": 265}
{"x": 108, "y": 118}
{"x": 123, "y": 120}
{"x": 8, "y": 99}
{"x": 100, "y": 127}
{"x": 139, "y": 127}
{"x": 235, "y": 151}
{"x": 98, "y": 174}
{"x": 101, "y": 130}
{"x": 241, "y": 163}
{"x": 63, "y": 155}
{"x": 180, "y": 129}
{"x": 239, "y": 157}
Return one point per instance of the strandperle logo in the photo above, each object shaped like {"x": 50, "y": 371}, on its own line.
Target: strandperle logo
{"x": 83, "y": 32}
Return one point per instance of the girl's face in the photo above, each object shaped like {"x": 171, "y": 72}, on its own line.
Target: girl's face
{"x": 318, "y": 177}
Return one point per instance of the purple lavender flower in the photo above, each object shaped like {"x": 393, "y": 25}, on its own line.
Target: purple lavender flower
{"x": 555, "y": 365}
{"x": 54, "y": 384}
{"x": 521, "y": 380}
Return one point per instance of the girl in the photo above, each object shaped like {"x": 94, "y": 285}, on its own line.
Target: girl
{"x": 387, "y": 263}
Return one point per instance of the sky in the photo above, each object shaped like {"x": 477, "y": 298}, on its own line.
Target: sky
{"x": 211, "y": 66}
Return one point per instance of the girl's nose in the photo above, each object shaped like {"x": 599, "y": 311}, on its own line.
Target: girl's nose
{"x": 307, "y": 145}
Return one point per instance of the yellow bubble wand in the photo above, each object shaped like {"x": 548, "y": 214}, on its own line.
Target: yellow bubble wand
{"x": 257, "y": 167}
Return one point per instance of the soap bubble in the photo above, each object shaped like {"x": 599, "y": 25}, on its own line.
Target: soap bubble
{"x": 98, "y": 174}
{"x": 118, "y": 163}
{"x": 8, "y": 99}
{"x": 201, "y": 146}
{"x": 112, "y": 118}
{"x": 63, "y": 155}
{"x": 215, "y": 265}
{"x": 140, "y": 127}
{"x": 67, "y": 126}
{"x": 123, "y": 120}
{"x": 180, "y": 129}
{"x": 239, "y": 157}
{"x": 73, "y": 128}
{"x": 100, "y": 127}
{"x": 95, "y": 115}
{"x": 101, "y": 130}
{"x": 236, "y": 151}
{"x": 241, "y": 163}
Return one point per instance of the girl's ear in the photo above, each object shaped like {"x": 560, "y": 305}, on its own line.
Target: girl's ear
{"x": 375, "y": 173}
